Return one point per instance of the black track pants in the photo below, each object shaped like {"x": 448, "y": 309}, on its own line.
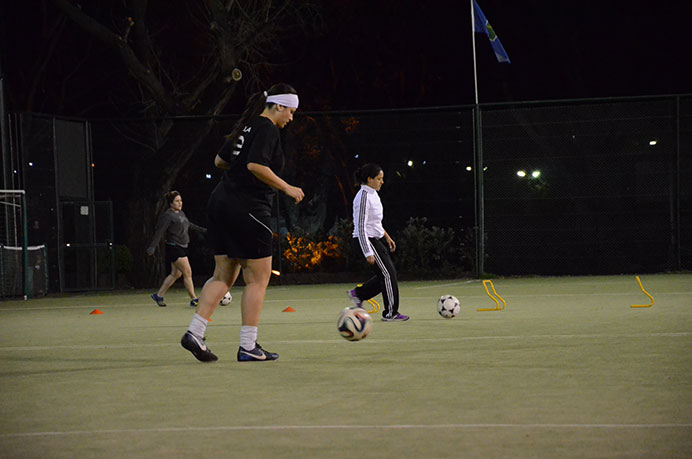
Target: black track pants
{"x": 384, "y": 281}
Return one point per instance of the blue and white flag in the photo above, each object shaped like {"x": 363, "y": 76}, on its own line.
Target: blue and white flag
{"x": 481, "y": 25}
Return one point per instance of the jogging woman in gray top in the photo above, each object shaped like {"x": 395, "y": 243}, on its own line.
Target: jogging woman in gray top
{"x": 175, "y": 225}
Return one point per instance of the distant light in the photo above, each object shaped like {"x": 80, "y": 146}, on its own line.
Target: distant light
{"x": 410, "y": 163}
{"x": 468, "y": 168}
{"x": 208, "y": 176}
{"x": 521, "y": 173}
{"x": 536, "y": 174}
{"x": 485, "y": 168}
{"x": 356, "y": 156}
{"x": 653, "y": 142}
{"x": 31, "y": 164}
{"x": 67, "y": 245}
{"x": 425, "y": 162}
{"x": 275, "y": 272}
{"x": 93, "y": 165}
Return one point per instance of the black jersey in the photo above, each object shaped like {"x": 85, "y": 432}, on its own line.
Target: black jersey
{"x": 260, "y": 143}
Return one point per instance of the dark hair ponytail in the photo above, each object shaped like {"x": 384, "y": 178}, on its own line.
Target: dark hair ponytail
{"x": 366, "y": 171}
{"x": 255, "y": 105}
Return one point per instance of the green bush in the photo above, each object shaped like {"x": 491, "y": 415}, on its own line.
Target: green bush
{"x": 426, "y": 251}
{"x": 123, "y": 259}
{"x": 429, "y": 250}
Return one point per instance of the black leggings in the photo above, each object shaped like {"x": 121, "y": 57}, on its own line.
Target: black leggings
{"x": 384, "y": 280}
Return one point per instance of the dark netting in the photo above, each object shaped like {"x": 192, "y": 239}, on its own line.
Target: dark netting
{"x": 424, "y": 155}
{"x": 612, "y": 191}
{"x": 39, "y": 181}
{"x": 12, "y": 272}
{"x": 87, "y": 253}
{"x": 581, "y": 189}
{"x": 684, "y": 180}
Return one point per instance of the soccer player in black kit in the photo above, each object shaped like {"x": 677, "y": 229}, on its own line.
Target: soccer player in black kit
{"x": 239, "y": 210}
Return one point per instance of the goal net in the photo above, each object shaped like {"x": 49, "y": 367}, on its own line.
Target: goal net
{"x": 23, "y": 269}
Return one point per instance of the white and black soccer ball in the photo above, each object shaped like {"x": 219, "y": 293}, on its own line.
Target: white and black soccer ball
{"x": 226, "y": 300}
{"x": 354, "y": 323}
{"x": 448, "y": 306}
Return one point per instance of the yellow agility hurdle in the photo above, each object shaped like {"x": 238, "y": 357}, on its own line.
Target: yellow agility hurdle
{"x": 645, "y": 293}
{"x": 497, "y": 303}
{"x": 375, "y": 305}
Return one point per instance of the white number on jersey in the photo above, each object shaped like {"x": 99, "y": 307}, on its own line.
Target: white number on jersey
{"x": 241, "y": 140}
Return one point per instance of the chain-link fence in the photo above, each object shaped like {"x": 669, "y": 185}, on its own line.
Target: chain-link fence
{"x": 586, "y": 188}
{"x": 570, "y": 187}
{"x": 75, "y": 232}
{"x": 580, "y": 187}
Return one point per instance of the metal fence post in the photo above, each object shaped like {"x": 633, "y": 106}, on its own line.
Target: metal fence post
{"x": 479, "y": 204}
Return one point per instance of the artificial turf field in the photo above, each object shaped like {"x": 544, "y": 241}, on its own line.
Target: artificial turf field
{"x": 568, "y": 369}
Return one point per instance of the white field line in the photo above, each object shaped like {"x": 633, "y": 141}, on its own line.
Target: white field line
{"x": 327, "y": 300}
{"x": 348, "y": 427}
{"x": 338, "y": 340}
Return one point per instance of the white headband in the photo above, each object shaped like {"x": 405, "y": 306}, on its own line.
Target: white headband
{"x": 287, "y": 100}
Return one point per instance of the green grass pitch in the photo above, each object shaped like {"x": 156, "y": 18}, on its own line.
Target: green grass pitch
{"x": 568, "y": 369}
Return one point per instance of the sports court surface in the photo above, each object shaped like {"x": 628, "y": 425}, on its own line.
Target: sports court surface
{"x": 567, "y": 369}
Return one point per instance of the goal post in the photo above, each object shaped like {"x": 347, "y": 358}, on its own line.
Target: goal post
{"x": 14, "y": 242}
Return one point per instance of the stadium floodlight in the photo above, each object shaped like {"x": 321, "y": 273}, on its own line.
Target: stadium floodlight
{"x": 521, "y": 173}
{"x": 410, "y": 163}
{"x": 536, "y": 174}
{"x": 653, "y": 142}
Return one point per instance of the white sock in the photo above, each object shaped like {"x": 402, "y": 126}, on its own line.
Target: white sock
{"x": 198, "y": 326}
{"x": 248, "y": 337}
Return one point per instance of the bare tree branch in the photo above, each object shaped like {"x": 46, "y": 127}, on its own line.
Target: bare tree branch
{"x": 139, "y": 70}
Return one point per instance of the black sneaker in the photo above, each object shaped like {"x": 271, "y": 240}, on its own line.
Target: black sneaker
{"x": 198, "y": 348}
{"x": 256, "y": 355}
{"x": 194, "y": 302}
{"x": 158, "y": 299}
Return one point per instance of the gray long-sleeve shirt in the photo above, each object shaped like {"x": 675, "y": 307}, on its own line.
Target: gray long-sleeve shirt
{"x": 175, "y": 226}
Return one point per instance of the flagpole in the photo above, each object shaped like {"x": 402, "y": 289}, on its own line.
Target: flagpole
{"x": 473, "y": 44}
{"x": 479, "y": 204}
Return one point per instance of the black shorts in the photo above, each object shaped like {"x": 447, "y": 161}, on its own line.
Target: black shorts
{"x": 173, "y": 252}
{"x": 237, "y": 231}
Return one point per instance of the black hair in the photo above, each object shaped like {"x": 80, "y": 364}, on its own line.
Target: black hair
{"x": 366, "y": 171}
{"x": 170, "y": 196}
{"x": 255, "y": 106}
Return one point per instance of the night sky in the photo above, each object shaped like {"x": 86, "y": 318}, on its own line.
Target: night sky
{"x": 385, "y": 54}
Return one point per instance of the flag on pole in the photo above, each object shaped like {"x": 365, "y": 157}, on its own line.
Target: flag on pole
{"x": 481, "y": 25}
